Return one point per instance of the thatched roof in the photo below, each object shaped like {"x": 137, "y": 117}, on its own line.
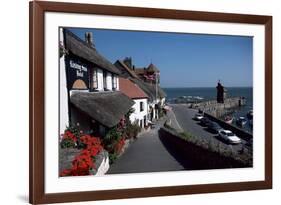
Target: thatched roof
{"x": 150, "y": 89}
{"x": 80, "y": 48}
{"x": 106, "y": 108}
{"x": 140, "y": 71}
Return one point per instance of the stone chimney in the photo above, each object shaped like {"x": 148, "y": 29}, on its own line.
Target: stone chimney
{"x": 128, "y": 62}
{"x": 89, "y": 39}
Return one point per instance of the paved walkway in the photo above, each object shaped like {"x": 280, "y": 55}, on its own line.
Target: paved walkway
{"x": 173, "y": 119}
{"x": 146, "y": 154}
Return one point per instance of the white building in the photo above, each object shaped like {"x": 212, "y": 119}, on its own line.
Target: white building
{"x": 140, "y": 114}
{"x": 156, "y": 96}
{"x": 89, "y": 87}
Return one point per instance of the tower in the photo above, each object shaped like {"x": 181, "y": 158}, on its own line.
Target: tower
{"x": 220, "y": 93}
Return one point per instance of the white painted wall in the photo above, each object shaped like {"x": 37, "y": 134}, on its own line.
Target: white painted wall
{"x": 64, "y": 119}
{"x": 108, "y": 81}
{"x": 163, "y": 101}
{"x": 139, "y": 115}
{"x": 100, "y": 79}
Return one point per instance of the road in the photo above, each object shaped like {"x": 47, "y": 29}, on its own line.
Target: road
{"x": 184, "y": 116}
{"x": 146, "y": 154}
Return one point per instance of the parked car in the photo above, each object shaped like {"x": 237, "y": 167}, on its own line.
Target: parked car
{"x": 229, "y": 136}
{"x": 198, "y": 116}
{"x": 214, "y": 127}
{"x": 241, "y": 121}
{"x": 205, "y": 121}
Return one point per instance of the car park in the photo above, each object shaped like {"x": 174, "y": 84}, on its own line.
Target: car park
{"x": 214, "y": 127}
{"x": 198, "y": 116}
{"x": 229, "y": 136}
{"x": 205, "y": 121}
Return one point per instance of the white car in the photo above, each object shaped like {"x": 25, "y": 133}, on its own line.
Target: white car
{"x": 198, "y": 116}
{"x": 229, "y": 136}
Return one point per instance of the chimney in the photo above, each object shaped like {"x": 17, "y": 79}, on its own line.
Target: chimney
{"x": 128, "y": 62}
{"x": 89, "y": 38}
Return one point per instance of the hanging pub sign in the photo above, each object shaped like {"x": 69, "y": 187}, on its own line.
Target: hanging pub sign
{"x": 77, "y": 73}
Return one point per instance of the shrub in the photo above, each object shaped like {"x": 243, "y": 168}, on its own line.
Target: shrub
{"x": 132, "y": 130}
{"x": 68, "y": 140}
{"x": 119, "y": 145}
{"x": 112, "y": 157}
{"x": 111, "y": 138}
{"x": 186, "y": 135}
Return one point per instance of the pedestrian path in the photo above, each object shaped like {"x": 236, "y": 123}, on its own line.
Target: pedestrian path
{"x": 146, "y": 154}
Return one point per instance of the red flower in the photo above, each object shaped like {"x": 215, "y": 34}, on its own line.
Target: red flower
{"x": 69, "y": 136}
{"x": 83, "y": 162}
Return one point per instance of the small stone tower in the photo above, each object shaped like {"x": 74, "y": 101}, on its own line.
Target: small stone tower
{"x": 220, "y": 93}
{"x": 89, "y": 39}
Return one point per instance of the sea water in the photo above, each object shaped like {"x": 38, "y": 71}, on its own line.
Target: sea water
{"x": 205, "y": 94}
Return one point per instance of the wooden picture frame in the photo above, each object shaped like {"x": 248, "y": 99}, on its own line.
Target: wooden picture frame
{"x": 37, "y": 10}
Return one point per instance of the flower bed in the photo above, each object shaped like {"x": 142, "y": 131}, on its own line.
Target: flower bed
{"x": 84, "y": 163}
{"x": 89, "y": 147}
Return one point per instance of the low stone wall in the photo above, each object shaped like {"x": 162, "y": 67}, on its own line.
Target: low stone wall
{"x": 220, "y": 109}
{"x": 194, "y": 157}
{"x": 102, "y": 164}
{"x": 67, "y": 155}
{"x": 239, "y": 132}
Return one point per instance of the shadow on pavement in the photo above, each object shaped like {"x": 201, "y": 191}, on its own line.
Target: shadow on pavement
{"x": 182, "y": 159}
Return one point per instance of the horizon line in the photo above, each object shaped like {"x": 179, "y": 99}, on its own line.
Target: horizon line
{"x": 209, "y": 87}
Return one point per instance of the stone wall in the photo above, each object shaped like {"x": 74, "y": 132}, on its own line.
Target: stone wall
{"x": 67, "y": 155}
{"x": 219, "y": 109}
{"x": 193, "y": 156}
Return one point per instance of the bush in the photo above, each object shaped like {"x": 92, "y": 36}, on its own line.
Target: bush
{"x": 132, "y": 130}
{"x": 112, "y": 157}
{"x": 186, "y": 135}
{"x": 111, "y": 138}
{"x": 67, "y": 143}
{"x": 68, "y": 140}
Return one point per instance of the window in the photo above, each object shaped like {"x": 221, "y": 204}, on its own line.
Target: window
{"x": 114, "y": 82}
{"x": 104, "y": 80}
{"x": 141, "y": 106}
{"x": 94, "y": 79}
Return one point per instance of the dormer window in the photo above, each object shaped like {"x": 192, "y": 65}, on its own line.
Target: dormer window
{"x": 114, "y": 82}
{"x": 94, "y": 79}
{"x": 104, "y": 80}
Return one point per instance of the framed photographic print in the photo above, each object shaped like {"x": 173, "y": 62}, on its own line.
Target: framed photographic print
{"x": 138, "y": 102}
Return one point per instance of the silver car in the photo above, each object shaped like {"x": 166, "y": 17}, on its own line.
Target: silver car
{"x": 229, "y": 136}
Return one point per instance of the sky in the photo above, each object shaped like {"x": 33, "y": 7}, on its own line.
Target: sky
{"x": 184, "y": 60}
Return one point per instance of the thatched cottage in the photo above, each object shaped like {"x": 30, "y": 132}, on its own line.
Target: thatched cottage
{"x": 89, "y": 86}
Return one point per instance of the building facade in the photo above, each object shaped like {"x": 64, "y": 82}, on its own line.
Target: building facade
{"x": 89, "y": 87}
{"x": 146, "y": 79}
{"x": 140, "y": 108}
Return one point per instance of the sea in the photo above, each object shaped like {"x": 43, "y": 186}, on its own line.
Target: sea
{"x": 204, "y": 94}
